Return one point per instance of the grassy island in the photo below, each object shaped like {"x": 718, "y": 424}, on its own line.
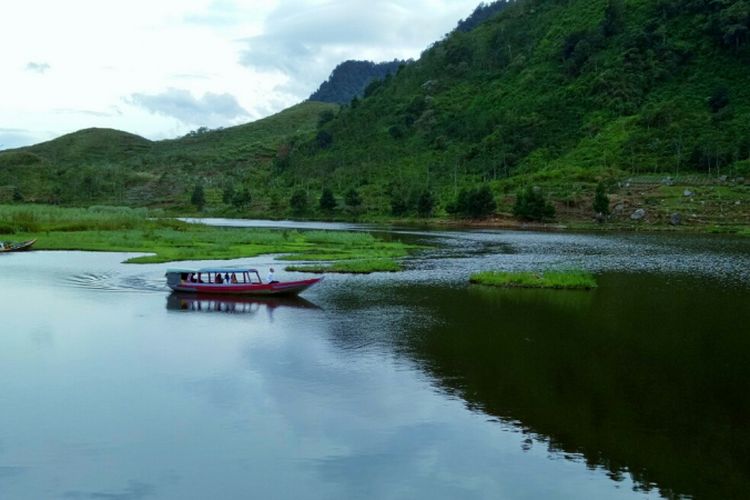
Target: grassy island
{"x": 562, "y": 280}
{"x": 351, "y": 267}
{"x": 119, "y": 229}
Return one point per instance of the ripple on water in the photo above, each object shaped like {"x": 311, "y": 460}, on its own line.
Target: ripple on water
{"x": 114, "y": 282}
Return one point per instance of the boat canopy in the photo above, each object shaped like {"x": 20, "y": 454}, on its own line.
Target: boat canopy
{"x": 213, "y": 270}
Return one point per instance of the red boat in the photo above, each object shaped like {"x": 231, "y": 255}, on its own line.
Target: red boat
{"x": 232, "y": 281}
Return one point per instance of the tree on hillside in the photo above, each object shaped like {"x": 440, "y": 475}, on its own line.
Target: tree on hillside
{"x": 324, "y": 139}
{"x": 473, "y": 203}
{"x": 531, "y": 204}
{"x": 353, "y": 199}
{"x": 719, "y": 99}
{"x": 327, "y": 201}
{"x": 399, "y": 204}
{"x": 425, "y": 204}
{"x": 601, "y": 202}
{"x": 227, "y": 196}
{"x": 198, "y": 198}
{"x": 613, "y": 22}
{"x": 242, "y": 198}
{"x": 298, "y": 202}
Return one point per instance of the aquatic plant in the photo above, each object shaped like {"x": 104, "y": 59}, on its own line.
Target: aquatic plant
{"x": 567, "y": 279}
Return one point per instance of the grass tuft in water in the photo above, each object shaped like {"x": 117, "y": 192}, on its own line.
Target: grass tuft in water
{"x": 562, "y": 280}
{"x": 351, "y": 267}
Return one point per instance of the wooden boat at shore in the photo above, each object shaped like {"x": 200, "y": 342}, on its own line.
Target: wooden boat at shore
{"x": 15, "y": 247}
{"x": 231, "y": 281}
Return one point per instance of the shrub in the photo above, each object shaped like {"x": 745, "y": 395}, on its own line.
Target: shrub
{"x": 532, "y": 205}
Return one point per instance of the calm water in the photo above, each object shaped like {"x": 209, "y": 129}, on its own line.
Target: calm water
{"x": 401, "y": 386}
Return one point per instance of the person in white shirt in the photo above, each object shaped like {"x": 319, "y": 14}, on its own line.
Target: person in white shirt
{"x": 269, "y": 278}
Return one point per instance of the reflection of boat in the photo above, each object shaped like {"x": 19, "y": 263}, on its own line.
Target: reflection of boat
{"x": 179, "y": 301}
{"x": 8, "y": 246}
{"x": 228, "y": 281}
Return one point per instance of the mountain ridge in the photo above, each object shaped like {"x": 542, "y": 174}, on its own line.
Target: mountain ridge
{"x": 350, "y": 79}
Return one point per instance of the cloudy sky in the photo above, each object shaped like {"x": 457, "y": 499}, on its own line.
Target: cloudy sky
{"x": 160, "y": 68}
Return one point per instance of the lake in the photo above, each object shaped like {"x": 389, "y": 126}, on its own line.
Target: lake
{"x": 399, "y": 386}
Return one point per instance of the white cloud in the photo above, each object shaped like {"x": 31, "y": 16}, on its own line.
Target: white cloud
{"x": 264, "y": 55}
{"x": 37, "y": 67}
{"x": 211, "y": 110}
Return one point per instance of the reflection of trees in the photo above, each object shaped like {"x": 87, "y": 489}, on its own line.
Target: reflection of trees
{"x": 639, "y": 377}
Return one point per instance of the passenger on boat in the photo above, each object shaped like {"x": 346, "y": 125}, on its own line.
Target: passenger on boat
{"x": 234, "y": 279}
{"x": 226, "y": 278}
{"x": 218, "y": 280}
{"x": 192, "y": 278}
{"x": 270, "y": 279}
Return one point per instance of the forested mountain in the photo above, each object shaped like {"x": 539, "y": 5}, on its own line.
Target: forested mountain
{"x": 350, "y": 78}
{"x": 562, "y": 93}
{"x": 631, "y": 98}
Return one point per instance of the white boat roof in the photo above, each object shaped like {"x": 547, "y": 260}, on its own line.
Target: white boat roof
{"x": 212, "y": 270}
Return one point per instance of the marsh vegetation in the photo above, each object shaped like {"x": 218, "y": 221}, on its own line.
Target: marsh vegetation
{"x": 164, "y": 239}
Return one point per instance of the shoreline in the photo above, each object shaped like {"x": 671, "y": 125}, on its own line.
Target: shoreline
{"x": 500, "y": 222}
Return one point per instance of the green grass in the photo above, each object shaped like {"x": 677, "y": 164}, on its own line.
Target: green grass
{"x": 127, "y": 230}
{"x": 568, "y": 280}
{"x": 351, "y": 267}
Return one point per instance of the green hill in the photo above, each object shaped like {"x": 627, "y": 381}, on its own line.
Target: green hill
{"x": 110, "y": 166}
{"x": 93, "y": 144}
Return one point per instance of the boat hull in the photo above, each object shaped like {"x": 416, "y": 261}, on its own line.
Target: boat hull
{"x": 261, "y": 289}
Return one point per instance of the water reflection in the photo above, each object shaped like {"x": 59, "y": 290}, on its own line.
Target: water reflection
{"x": 642, "y": 377}
{"x": 233, "y": 304}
